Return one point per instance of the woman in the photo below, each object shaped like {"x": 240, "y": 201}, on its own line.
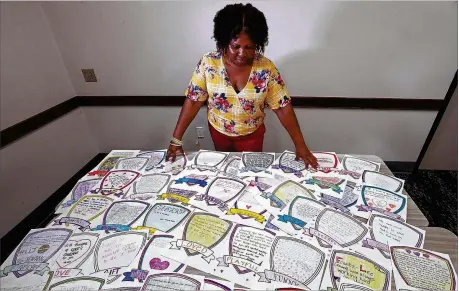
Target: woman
{"x": 238, "y": 82}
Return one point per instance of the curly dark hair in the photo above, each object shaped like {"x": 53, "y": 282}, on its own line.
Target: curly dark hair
{"x": 236, "y": 18}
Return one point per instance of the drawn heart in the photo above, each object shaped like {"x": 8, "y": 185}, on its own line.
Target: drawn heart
{"x": 156, "y": 264}
{"x": 426, "y": 256}
{"x": 392, "y": 205}
{"x": 408, "y": 251}
{"x": 248, "y": 206}
{"x": 416, "y": 253}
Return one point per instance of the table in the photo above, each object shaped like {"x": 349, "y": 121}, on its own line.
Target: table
{"x": 437, "y": 239}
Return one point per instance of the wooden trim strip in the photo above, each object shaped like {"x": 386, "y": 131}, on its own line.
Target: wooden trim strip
{"x": 23, "y": 128}
{"x": 297, "y": 101}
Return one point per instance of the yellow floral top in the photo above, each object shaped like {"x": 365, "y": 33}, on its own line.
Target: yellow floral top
{"x": 231, "y": 113}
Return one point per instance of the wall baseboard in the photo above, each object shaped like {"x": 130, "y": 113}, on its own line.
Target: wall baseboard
{"x": 23, "y": 128}
{"x": 44, "y": 213}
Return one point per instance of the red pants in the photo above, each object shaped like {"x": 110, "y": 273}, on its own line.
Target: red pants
{"x": 247, "y": 143}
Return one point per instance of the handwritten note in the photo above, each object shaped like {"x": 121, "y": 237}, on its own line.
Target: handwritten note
{"x": 358, "y": 268}
{"x": 166, "y": 216}
{"x": 154, "y": 158}
{"x": 355, "y": 164}
{"x": 77, "y": 250}
{"x": 205, "y": 229}
{"x": 89, "y": 207}
{"x": 118, "y": 250}
{"x": 422, "y": 269}
{"x": 294, "y": 262}
{"x": 173, "y": 282}
{"x": 152, "y": 260}
{"x": 335, "y": 228}
{"x": 76, "y": 284}
{"x": 391, "y": 183}
{"x": 134, "y": 164}
{"x": 125, "y": 212}
{"x": 386, "y": 231}
{"x": 249, "y": 244}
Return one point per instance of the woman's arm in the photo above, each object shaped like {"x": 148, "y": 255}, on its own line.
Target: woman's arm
{"x": 189, "y": 110}
{"x": 288, "y": 119}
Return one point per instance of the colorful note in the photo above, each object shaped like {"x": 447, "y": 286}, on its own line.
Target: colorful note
{"x": 287, "y": 165}
{"x": 422, "y": 269}
{"x": 359, "y": 268}
{"x": 374, "y": 199}
{"x": 278, "y": 198}
{"x": 76, "y": 251}
{"x": 33, "y": 257}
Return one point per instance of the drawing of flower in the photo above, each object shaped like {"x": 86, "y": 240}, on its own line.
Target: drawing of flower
{"x": 194, "y": 92}
{"x": 220, "y": 101}
{"x": 279, "y": 80}
{"x": 229, "y": 127}
{"x": 248, "y": 105}
{"x": 225, "y": 76}
{"x": 284, "y": 101}
{"x": 214, "y": 55}
{"x": 259, "y": 80}
{"x": 211, "y": 71}
{"x": 252, "y": 122}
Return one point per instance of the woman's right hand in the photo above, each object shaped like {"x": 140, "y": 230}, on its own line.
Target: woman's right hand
{"x": 174, "y": 151}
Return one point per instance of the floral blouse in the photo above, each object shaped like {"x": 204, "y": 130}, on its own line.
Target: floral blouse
{"x": 231, "y": 113}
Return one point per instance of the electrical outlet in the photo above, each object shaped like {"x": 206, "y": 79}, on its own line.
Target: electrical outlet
{"x": 200, "y": 131}
{"x": 89, "y": 75}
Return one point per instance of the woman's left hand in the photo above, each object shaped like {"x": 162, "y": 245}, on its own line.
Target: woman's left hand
{"x": 308, "y": 158}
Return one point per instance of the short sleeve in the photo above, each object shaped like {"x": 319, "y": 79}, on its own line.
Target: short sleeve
{"x": 277, "y": 95}
{"x": 197, "y": 88}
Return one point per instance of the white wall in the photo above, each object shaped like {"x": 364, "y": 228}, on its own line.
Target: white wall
{"x": 350, "y": 48}
{"x": 32, "y": 74}
{"x": 35, "y": 166}
{"x": 442, "y": 151}
{"x": 33, "y": 78}
{"x": 392, "y": 135}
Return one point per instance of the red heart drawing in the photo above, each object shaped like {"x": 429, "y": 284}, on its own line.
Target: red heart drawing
{"x": 156, "y": 264}
{"x": 392, "y": 205}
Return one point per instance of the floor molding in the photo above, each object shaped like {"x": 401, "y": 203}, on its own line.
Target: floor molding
{"x": 44, "y": 213}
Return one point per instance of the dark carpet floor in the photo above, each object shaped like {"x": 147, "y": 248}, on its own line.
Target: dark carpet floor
{"x": 435, "y": 193}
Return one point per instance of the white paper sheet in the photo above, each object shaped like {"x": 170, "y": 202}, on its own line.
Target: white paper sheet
{"x": 360, "y": 268}
{"x": 374, "y": 199}
{"x": 256, "y": 164}
{"x": 420, "y": 269}
{"x": 356, "y": 164}
{"x": 29, "y": 263}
